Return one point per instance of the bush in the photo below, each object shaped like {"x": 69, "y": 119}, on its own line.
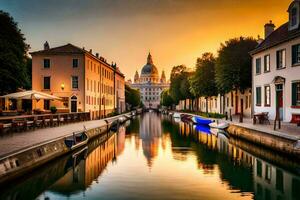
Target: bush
{"x": 53, "y": 109}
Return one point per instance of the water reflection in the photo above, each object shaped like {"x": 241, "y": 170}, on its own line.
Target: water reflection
{"x": 157, "y": 158}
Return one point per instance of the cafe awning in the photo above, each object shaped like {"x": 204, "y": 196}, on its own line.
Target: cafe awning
{"x": 31, "y": 94}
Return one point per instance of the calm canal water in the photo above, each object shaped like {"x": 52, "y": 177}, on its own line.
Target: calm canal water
{"x": 153, "y": 157}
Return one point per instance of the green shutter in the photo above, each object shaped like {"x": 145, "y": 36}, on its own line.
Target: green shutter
{"x": 294, "y": 54}
{"x": 294, "y": 94}
{"x": 258, "y": 96}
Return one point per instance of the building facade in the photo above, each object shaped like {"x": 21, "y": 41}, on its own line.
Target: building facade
{"x": 150, "y": 84}
{"x": 85, "y": 82}
{"x": 119, "y": 91}
{"x": 276, "y": 69}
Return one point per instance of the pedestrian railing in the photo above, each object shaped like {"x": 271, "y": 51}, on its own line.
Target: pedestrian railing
{"x": 29, "y": 122}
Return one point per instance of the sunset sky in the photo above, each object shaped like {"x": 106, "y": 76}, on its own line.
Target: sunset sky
{"x": 175, "y": 31}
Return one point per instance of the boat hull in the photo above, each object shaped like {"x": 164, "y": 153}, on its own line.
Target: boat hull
{"x": 202, "y": 121}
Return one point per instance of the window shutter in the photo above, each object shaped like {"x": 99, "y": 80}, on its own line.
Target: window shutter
{"x": 294, "y": 54}
{"x": 294, "y": 94}
{"x": 277, "y": 59}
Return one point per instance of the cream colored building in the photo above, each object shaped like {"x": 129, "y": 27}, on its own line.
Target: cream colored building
{"x": 84, "y": 81}
{"x": 150, "y": 84}
{"x": 276, "y": 69}
{"x": 119, "y": 91}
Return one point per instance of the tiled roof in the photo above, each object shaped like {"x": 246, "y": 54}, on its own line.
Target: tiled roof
{"x": 68, "y": 48}
{"x": 280, "y": 35}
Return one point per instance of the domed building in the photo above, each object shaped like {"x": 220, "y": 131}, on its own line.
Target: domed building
{"x": 150, "y": 84}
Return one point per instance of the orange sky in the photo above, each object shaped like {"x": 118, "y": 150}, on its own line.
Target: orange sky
{"x": 175, "y": 31}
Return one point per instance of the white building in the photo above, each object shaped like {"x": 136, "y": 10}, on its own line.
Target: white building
{"x": 149, "y": 84}
{"x": 276, "y": 69}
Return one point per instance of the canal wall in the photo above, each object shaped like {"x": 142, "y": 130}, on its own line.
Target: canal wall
{"x": 23, "y": 161}
{"x": 282, "y": 143}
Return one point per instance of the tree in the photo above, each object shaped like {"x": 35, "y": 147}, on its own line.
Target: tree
{"x": 132, "y": 97}
{"x": 233, "y": 68}
{"x": 203, "y": 81}
{"x": 179, "y": 86}
{"x": 166, "y": 99}
{"x": 13, "y": 49}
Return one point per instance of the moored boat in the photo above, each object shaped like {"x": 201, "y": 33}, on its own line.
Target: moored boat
{"x": 176, "y": 115}
{"x": 221, "y": 126}
{"x": 200, "y": 120}
{"x": 76, "y": 140}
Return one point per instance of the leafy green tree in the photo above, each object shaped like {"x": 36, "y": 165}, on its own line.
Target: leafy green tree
{"x": 132, "y": 97}
{"x": 233, "y": 68}
{"x": 13, "y": 49}
{"x": 166, "y": 99}
{"x": 203, "y": 81}
{"x": 179, "y": 86}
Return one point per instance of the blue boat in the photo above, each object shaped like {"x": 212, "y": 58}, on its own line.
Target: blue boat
{"x": 202, "y": 121}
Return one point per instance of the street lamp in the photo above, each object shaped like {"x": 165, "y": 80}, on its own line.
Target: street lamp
{"x": 62, "y": 86}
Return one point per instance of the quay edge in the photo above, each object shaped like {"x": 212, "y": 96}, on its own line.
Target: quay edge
{"x": 23, "y": 161}
{"x": 284, "y": 144}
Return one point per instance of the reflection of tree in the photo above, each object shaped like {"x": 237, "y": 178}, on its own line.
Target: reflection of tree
{"x": 237, "y": 174}
{"x": 133, "y": 127}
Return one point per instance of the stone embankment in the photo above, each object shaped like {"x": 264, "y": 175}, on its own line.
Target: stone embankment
{"x": 24, "y": 160}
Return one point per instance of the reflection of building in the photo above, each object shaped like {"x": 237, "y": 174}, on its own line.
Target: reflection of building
{"x": 87, "y": 170}
{"x": 264, "y": 179}
{"x": 121, "y": 140}
{"x": 84, "y": 81}
{"x": 150, "y": 133}
{"x": 149, "y": 84}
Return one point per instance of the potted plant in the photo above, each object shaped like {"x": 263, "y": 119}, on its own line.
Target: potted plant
{"x": 53, "y": 109}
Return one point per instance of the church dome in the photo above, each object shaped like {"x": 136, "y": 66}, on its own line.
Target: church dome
{"x": 149, "y": 69}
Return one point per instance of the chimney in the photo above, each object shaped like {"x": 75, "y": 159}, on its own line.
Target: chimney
{"x": 269, "y": 28}
{"x": 83, "y": 48}
{"x": 91, "y": 50}
{"x": 46, "y": 46}
{"x": 97, "y": 55}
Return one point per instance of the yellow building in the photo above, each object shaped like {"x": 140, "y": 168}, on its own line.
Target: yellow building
{"x": 84, "y": 81}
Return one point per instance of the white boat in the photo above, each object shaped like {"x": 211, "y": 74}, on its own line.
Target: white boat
{"x": 221, "y": 126}
{"x": 176, "y": 115}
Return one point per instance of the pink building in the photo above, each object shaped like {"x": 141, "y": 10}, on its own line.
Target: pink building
{"x": 84, "y": 81}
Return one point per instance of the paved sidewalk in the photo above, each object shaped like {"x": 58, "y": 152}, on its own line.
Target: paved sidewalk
{"x": 13, "y": 142}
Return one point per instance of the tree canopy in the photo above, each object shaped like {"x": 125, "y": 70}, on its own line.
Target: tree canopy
{"x": 233, "y": 68}
{"x": 179, "y": 87}
{"x": 13, "y": 57}
{"x": 203, "y": 81}
{"x": 166, "y": 99}
{"x": 132, "y": 97}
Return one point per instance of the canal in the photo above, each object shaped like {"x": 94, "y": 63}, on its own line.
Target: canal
{"x": 154, "y": 157}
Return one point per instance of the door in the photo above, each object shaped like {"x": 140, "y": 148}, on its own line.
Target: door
{"x": 236, "y": 104}
{"x": 279, "y": 97}
{"x": 73, "y": 104}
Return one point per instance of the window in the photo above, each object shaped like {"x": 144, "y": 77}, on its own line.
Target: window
{"x": 47, "y": 83}
{"x": 267, "y": 95}
{"x": 46, "y": 104}
{"x": 46, "y": 63}
{"x": 279, "y": 180}
{"x": 280, "y": 59}
{"x": 268, "y": 173}
{"x": 246, "y": 106}
{"x": 258, "y": 66}
{"x": 296, "y": 94}
{"x": 294, "y": 16}
{"x": 267, "y": 63}
{"x": 258, "y": 168}
{"x": 227, "y": 101}
{"x": 74, "y": 82}
{"x": 75, "y": 63}
{"x": 296, "y": 54}
{"x": 258, "y": 96}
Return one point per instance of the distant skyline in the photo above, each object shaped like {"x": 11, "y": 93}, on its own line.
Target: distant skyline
{"x": 124, "y": 31}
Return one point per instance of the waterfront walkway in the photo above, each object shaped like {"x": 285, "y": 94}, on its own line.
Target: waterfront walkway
{"x": 12, "y": 142}
{"x": 288, "y": 130}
